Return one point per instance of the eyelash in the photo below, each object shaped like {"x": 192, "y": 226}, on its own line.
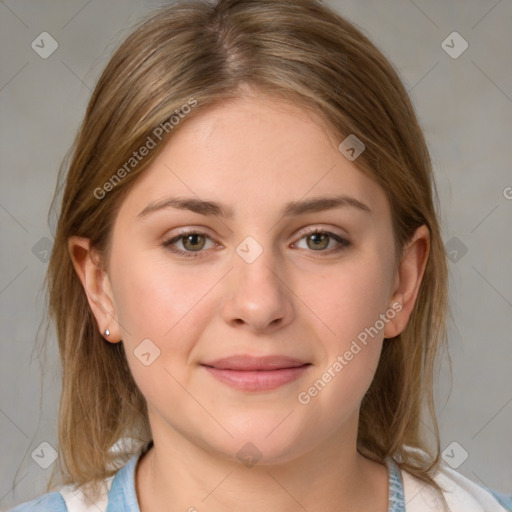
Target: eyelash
{"x": 168, "y": 244}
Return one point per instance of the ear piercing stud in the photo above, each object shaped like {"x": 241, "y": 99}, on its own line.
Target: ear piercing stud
{"x": 107, "y": 333}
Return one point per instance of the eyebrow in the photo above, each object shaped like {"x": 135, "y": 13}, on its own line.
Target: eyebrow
{"x": 211, "y": 208}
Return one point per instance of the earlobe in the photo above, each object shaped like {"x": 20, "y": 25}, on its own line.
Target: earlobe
{"x": 96, "y": 284}
{"x": 408, "y": 280}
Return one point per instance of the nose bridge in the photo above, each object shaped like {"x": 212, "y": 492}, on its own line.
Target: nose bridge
{"x": 258, "y": 295}
{"x": 256, "y": 266}
{"x": 258, "y": 259}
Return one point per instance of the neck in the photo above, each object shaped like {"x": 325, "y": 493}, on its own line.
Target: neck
{"x": 176, "y": 474}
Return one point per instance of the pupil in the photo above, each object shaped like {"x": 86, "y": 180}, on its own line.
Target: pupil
{"x": 318, "y": 238}
{"x": 192, "y": 240}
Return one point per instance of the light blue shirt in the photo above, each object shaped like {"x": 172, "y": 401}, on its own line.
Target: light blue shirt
{"x": 123, "y": 498}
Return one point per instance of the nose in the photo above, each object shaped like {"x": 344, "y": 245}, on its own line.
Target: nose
{"x": 258, "y": 295}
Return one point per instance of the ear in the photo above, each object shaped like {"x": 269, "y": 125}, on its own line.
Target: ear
{"x": 97, "y": 286}
{"x": 407, "y": 282}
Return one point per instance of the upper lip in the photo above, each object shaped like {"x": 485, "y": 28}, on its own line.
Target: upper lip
{"x": 248, "y": 363}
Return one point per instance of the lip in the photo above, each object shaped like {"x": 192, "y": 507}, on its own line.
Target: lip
{"x": 256, "y": 373}
{"x": 252, "y": 363}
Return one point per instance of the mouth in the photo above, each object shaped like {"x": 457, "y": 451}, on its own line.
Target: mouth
{"x": 256, "y": 373}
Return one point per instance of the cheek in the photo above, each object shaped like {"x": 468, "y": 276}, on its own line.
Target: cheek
{"x": 153, "y": 297}
{"x": 352, "y": 297}
{"x": 350, "y": 305}
{"x": 167, "y": 306}
{"x": 350, "y": 302}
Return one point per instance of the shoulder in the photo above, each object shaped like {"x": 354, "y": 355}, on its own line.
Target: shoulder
{"x": 460, "y": 493}
{"x": 69, "y": 499}
{"x": 116, "y": 492}
{"x": 51, "y": 502}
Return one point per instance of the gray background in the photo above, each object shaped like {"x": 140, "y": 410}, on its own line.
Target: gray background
{"x": 465, "y": 108}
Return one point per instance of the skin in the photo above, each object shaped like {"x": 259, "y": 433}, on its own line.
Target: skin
{"x": 290, "y": 301}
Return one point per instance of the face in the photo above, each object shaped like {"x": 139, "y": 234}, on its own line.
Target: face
{"x": 260, "y": 274}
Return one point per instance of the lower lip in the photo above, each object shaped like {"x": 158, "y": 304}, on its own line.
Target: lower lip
{"x": 257, "y": 380}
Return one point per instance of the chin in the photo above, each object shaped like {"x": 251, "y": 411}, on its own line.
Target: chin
{"x": 262, "y": 444}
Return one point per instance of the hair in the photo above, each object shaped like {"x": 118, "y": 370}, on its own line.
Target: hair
{"x": 176, "y": 63}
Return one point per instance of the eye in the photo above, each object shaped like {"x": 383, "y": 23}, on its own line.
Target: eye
{"x": 192, "y": 241}
{"x": 318, "y": 240}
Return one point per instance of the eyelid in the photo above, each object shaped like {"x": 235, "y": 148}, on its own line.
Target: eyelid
{"x": 169, "y": 242}
{"x": 173, "y": 238}
{"x": 318, "y": 227}
{"x": 200, "y": 230}
{"x": 343, "y": 241}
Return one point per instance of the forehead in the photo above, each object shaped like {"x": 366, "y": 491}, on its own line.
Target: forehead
{"x": 255, "y": 155}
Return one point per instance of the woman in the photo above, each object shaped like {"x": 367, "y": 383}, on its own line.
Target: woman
{"x": 248, "y": 278}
